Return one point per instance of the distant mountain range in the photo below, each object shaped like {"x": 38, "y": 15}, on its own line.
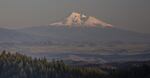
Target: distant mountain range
{"x": 75, "y": 28}
{"x": 86, "y": 34}
{"x": 74, "y": 34}
{"x": 8, "y": 35}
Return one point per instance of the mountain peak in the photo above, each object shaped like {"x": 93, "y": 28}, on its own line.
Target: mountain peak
{"x": 77, "y": 19}
{"x": 74, "y": 18}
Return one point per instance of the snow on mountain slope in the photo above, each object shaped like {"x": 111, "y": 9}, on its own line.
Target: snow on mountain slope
{"x": 77, "y": 19}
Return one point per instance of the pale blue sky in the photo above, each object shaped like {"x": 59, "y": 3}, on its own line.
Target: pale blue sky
{"x": 127, "y": 14}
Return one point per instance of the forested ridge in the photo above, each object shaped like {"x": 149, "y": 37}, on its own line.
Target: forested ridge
{"x": 15, "y": 65}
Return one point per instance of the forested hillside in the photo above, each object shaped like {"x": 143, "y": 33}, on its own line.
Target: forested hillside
{"x": 21, "y": 66}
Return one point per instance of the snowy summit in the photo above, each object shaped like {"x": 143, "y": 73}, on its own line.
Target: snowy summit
{"x": 77, "y": 19}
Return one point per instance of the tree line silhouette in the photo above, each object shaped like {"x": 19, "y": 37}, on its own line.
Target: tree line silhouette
{"x": 15, "y": 65}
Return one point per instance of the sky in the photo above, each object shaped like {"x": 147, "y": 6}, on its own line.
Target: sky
{"x": 127, "y": 14}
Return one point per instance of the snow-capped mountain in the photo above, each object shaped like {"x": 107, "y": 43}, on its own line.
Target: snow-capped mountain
{"x": 77, "y": 19}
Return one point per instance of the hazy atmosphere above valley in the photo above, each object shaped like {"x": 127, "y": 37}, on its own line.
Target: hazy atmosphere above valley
{"x": 126, "y": 14}
{"x": 74, "y": 39}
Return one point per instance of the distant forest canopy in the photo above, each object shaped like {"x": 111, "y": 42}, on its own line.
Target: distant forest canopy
{"x": 21, "y": 66}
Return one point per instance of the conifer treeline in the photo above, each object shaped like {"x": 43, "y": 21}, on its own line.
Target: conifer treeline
{"x": 21, "y": 66}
